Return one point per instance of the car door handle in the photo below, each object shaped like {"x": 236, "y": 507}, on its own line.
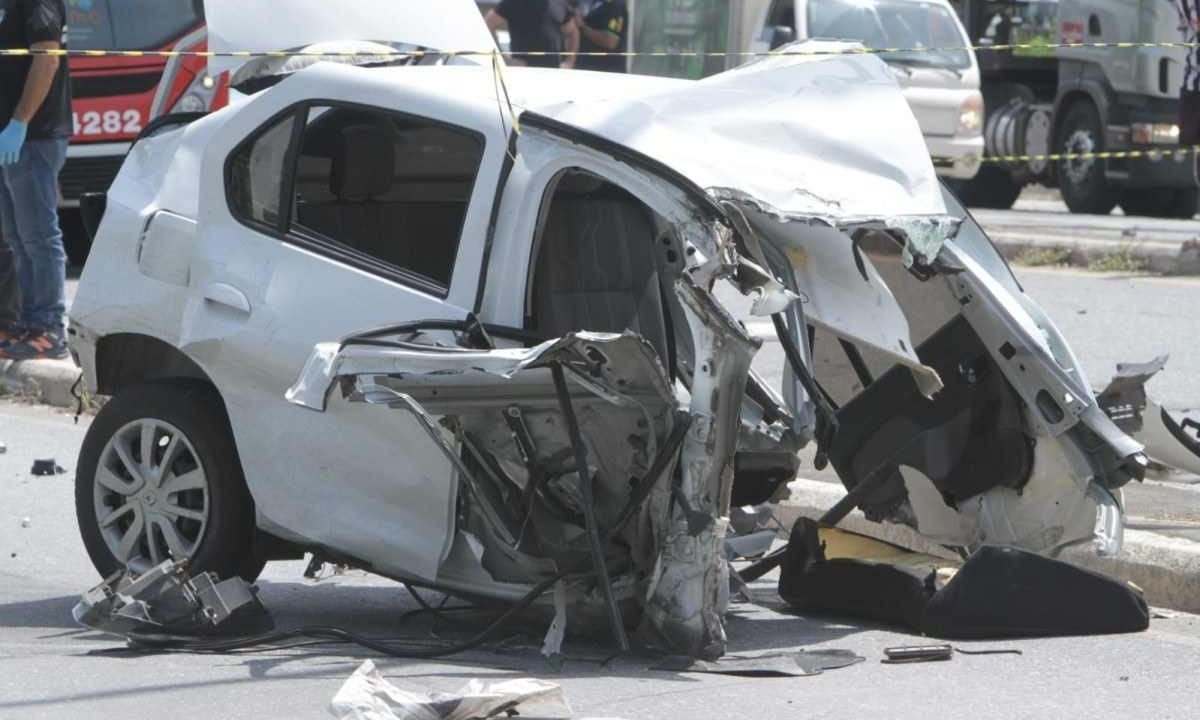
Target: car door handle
{"x": 227, "y": 295}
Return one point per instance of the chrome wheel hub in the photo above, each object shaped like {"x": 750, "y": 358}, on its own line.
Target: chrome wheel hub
{"x": 151, "y": 494}
{"x": 1080, "y": 142}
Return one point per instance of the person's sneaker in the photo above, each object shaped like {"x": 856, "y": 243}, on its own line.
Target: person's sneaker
{"x": 40, "y": 346}
{"x": 10, "y": 334}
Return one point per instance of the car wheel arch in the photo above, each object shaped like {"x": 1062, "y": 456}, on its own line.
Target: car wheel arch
{"x": 127, "y": 359}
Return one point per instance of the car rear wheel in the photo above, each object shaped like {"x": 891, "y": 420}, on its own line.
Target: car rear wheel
{"x": 159, "y": 478}
{"x": 1084, "y": 187}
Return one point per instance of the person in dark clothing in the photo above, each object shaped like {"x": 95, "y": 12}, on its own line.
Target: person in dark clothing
{"x": 35, "y": 127}
{"x": 603, "y": 27}
{"x": 1189, "y": 95}
{"x": 534, "y": 26}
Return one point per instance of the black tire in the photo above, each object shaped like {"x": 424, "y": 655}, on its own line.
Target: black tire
{"x": 1084, "y": 187}
{"x": 1187, "y": 204}
{"x": 224, "y": 544}
{"x": 992, "y": 188}
{"x": 1160, "y": 202}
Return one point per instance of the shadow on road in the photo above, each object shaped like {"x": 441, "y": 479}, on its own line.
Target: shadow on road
{"x": 48, "y": 613}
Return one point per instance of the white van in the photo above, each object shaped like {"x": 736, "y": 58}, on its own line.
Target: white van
{"x": 942, "y": 87}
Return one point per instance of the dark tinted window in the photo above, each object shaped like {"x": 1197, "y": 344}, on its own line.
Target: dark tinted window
{"x": 130, "y": 24}
{"x": 389, "y": 186}
{"x": 256, "y": 174}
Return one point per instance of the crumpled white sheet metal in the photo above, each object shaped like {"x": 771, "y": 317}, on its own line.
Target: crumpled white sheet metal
{"x": 258, "y": 26}
{"x": 366, "y": 695}
{"x": 797, "y": 135}
{"x": 329, "y": 361}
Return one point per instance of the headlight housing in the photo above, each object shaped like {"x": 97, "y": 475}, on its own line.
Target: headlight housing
{"x": 1155, "y": 133}
{"x": 199, "y": 95}
{"x": 970, "y": 116}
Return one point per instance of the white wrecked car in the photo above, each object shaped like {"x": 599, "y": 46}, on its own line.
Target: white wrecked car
{"x": 460, "y": 328}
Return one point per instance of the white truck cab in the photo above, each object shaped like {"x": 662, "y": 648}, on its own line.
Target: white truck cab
{"x": 941, "y": 85}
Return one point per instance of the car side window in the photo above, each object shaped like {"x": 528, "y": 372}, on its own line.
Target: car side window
{"x": 391, "y": 187}
{"x": 256, "y": 173}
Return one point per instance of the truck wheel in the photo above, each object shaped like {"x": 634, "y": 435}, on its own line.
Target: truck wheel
{"x": 1084, "y": 187}
{"x": 1187, "y": 204}
{"x": 158, "y": 478}
{"x": 1160, "y": 202}
{"x": 992, "y": 188}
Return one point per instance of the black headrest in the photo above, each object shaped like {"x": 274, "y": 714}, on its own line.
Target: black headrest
{"x": 364, "y": 163}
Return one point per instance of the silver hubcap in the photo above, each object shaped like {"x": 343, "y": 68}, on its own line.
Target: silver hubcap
{"x": 1080, "y": 141}
{"x": 151, "y": 494}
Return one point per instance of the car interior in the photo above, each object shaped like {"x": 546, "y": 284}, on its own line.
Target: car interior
{"x": 391, "y": 187}
{"x": 600, "y": 264}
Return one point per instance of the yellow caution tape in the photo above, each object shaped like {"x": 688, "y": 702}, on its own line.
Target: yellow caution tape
{"x": 1176, "y": 153}
{"x": 66, "y": 52}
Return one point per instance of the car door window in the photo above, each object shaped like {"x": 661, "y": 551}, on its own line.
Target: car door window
{"x": 382, "y": 191}
{"x": 256, "y": 173}
{"x": 390, "y": 187}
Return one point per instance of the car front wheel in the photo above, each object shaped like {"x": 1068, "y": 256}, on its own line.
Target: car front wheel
{"x": 158, "y": 478}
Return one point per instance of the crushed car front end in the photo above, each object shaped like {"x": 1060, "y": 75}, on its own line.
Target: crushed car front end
{"x": 954, "y": 407}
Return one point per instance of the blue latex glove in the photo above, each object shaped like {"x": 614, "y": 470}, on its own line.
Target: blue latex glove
{"x": 11, "y": 140}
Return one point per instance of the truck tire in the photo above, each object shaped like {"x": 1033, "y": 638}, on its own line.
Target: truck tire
{"x": 1187, "y": 204}
{"x": 1084, "y": 187}
{"x": 992, "y": 188}
{"x": 1160, "y": 202}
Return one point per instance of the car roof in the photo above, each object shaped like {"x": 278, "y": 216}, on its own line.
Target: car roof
{"x": 798, "y": 135}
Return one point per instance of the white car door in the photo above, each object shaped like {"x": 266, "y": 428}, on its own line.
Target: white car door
{"x": 321, "y": 216}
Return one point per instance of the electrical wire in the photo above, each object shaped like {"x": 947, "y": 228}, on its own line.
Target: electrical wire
{"x": 320, "y": 634}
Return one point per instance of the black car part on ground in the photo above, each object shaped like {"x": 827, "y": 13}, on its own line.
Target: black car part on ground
{"x": 998, "y": 592}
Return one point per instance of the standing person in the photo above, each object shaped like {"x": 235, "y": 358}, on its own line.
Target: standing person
{"x": 10, "y": 301}
{"x": 541, "y": 26}
{"x": 35, "y": 126}
{"x": 603, "y": 28}
{"x": 1189, "y": 95}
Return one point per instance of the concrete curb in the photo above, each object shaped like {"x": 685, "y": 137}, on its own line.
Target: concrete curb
{"x": 47, "y": 381}
{"x": 1166, "y": 568}
{"x": 1159, "y": 253}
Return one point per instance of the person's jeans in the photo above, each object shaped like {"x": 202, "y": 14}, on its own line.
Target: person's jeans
{"x": 10, "y": 299}
{"x": 29, "y": 224}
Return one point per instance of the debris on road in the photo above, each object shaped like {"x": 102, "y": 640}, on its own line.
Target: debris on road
{"x": 783, "y": 664}
{"x": 1172, "y": 443}
{"x": 164, "y": 603}
{"x": 934, "y": 653}
{"x": 366, "y": 695}
{"x": 26, "y": 522}
{"x": 997, "y": 592}
{"x": 47, "y": 468}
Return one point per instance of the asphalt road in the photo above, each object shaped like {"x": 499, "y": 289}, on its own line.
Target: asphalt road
{"x": 49, "y": 668}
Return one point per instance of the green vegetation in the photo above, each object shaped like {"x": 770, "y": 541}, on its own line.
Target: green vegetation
{"x": 1041, "y": 257}
{"x": 1122, "y": 260}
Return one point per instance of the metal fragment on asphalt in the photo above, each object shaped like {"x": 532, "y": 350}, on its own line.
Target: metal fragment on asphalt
{"x": 366, "y": 695}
